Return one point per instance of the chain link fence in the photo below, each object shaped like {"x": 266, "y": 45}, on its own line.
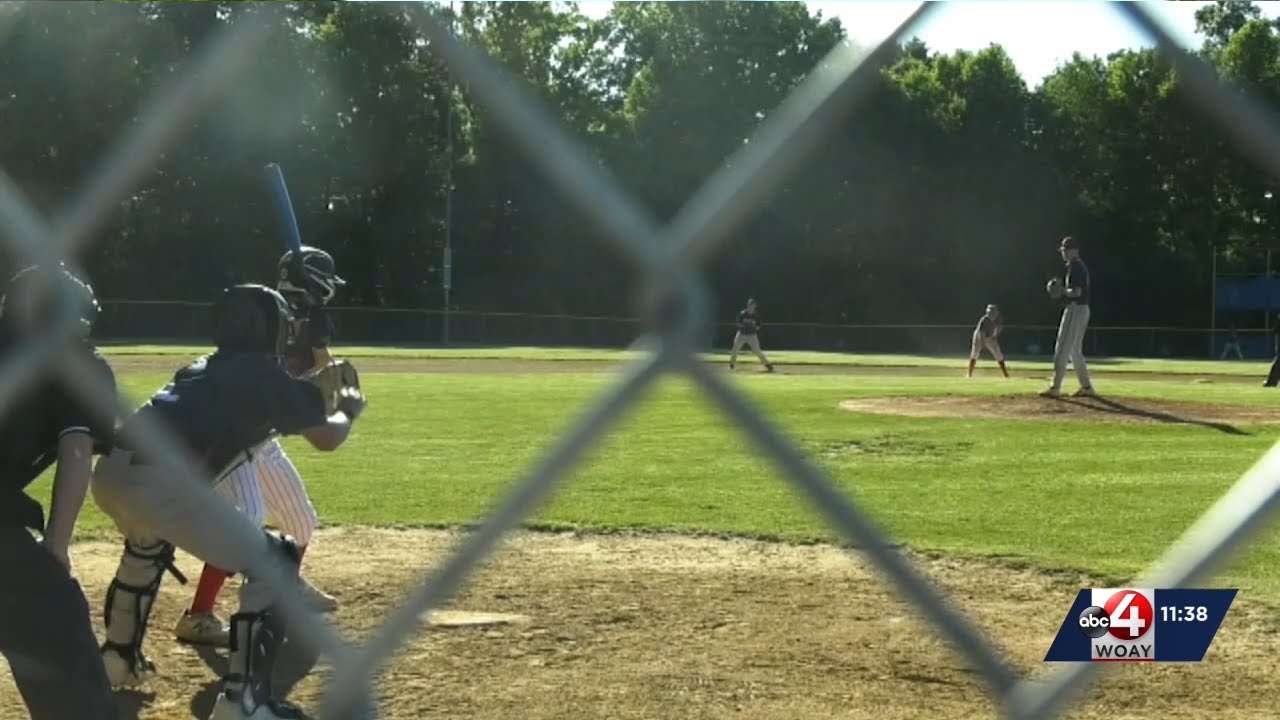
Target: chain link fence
{"x": 674, "y": 320}
{"x": 166, "y": 322}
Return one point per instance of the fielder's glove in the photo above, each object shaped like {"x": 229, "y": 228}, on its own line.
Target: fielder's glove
{"x": 336, "y": 380}
{"x": 1054, "y": 288}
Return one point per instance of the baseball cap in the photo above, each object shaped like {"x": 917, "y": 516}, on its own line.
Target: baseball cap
{"x": 1070, "y": 243}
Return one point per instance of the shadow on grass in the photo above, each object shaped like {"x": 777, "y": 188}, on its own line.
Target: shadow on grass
{"x": 1111, "y": 406}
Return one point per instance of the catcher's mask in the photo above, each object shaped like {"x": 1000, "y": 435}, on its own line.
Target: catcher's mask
{"x": 37, "y": 294}
{"x": 252, "y": 318}
{"x": 311, "y": 282}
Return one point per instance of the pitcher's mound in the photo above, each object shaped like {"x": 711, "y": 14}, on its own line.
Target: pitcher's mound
{"x": 464, "y": 618}
{"x": 1034, "y": 407}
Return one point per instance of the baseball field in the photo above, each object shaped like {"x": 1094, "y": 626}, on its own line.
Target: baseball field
{"x": 675, "y": 573}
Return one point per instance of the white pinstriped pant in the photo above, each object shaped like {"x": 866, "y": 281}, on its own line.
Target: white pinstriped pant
{"x": 269, "y": 487}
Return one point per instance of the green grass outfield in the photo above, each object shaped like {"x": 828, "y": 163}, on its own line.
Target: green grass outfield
{"x": 441, "y": 449}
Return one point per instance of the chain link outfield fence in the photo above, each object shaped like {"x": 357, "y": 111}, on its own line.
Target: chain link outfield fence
{"x": 674, "y": 316}
{"x": 163, "y": 322}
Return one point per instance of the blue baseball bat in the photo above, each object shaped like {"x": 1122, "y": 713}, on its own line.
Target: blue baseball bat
{"x": 293, "y": 237}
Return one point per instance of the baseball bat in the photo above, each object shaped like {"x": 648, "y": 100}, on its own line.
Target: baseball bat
{"x": 280, "y": 191}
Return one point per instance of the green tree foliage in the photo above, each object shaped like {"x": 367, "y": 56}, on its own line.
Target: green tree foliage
{"x": 948, "y": 189}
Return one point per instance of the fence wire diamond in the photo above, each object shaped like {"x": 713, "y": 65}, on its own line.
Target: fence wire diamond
{"x": 674, "y": 307}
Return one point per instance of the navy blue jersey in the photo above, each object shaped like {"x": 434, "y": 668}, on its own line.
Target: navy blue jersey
{"x": 39, "y": 417}
{"x": 1078, "y": 277}
{"x": 227, "y": 403}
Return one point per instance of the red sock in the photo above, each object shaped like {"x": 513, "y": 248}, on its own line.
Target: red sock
{"x": 211, "y": 581}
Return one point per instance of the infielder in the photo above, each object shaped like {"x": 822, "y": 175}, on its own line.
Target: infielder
{"x": 269, "y": 485}
{"x": 1074, "y": 294}
{"x": 223, "y": 406}
{"x": 986, "y": 335}
{"x": 748, "y": 336}
{"x": 45, "y": 633}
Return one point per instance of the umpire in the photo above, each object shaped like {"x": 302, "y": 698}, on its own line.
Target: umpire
{"x": 44, "y": 619}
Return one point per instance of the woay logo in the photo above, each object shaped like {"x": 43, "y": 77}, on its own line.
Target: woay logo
{"x": 1127, "y": 615}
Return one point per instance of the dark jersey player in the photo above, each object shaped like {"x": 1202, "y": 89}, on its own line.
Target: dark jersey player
{"x": 269, "y": 485}
{"x": 748, "y": 335}
{"x": 45, "y": 634}
{"x": 222, "y": 407}
{"x": 1069, "y": 348}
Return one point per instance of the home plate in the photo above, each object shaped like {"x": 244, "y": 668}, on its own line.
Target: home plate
{"x": 465, "y": 618}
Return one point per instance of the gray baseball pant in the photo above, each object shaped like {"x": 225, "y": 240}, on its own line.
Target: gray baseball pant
{"x": 1070, "y": 346}
{"x": 46, "y": 636}
{"x": 751, "y": 341}
{"x": 151, "y": 509}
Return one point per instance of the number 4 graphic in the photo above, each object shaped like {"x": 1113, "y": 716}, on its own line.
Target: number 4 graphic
{"x": 1135, "y": 622}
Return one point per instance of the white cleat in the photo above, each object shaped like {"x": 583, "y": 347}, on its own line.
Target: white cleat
{"x": 317, "y": 598}
{"x": 124, "y": 675}
{"x": 202, "y": 629}
{"x": 228, "y": 708}
{"x": 1051, "y": 393}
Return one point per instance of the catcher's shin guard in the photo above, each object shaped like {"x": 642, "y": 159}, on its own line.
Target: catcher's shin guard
{"x": 255, "y": 640}
{"x": 128, "y": 608}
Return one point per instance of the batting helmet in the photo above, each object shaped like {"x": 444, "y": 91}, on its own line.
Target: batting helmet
{"x": 36, "y": 294}
{"x": 315, "y": 278}
{"x": 252, "y": 318}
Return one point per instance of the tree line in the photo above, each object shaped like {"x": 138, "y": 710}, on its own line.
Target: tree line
{"x": 948, "y": 188}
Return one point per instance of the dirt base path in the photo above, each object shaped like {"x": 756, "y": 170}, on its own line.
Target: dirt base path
{"x": 661, "y": 627}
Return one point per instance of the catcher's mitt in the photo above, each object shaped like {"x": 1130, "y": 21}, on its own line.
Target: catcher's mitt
{"x": 332, "y": 379}
{"x": 1054, "y": 288}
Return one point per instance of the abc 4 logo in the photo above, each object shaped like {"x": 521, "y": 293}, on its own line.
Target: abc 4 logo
{"x": 1126, "y": 615}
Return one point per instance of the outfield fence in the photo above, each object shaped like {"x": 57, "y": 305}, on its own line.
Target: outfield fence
{"x": 188, "y": 322}
{"x": 675, "y": 322}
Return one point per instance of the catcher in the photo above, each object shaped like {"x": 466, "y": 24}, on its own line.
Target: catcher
{"x": 222, "y": 406}
{"x": 269, "y": 486}
{"x": 986, "y": 335}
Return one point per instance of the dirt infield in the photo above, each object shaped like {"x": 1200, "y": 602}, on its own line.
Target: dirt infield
{"x": 660, "y": 627}
{"x": 1024, "y": 407}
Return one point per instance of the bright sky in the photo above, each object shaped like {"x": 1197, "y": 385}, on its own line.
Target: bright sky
{"x": 1037, "y": 35}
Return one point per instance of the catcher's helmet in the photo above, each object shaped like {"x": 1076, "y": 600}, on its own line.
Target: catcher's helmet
{"x": 252, "y": 318}
{"x": 36, "y": 294}
{"x": 315, "y": 278}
